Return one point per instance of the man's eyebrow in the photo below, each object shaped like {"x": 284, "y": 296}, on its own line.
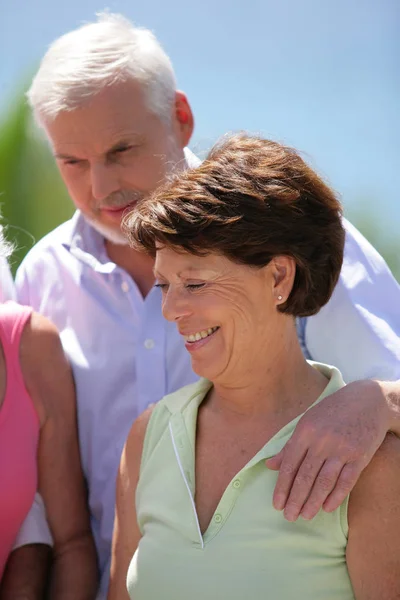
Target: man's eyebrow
{"x": 61, "y": 156}
{"x": 133, "y": 139}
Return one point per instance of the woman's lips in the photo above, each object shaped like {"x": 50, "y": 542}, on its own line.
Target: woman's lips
{"x": 193, "y": 346}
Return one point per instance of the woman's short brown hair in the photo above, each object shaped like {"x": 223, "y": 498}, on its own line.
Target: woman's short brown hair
{"x": 250, "y": 200}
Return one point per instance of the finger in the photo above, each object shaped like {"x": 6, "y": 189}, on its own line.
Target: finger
{"x": 345, "y": 483}
{"x": 274, "y": 463}
{"x": 302, "y": 485}
{"x": 293, "y": 456}
{"x": 323, "y": 486}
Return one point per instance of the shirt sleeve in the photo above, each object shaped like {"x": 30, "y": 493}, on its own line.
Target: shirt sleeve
{"x": 35, "y": 529}
{"x": 358, "y": 331}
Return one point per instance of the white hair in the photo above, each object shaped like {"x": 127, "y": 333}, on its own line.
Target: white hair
{"x": 111, "y": 50}
{"x": 6, "y": 249}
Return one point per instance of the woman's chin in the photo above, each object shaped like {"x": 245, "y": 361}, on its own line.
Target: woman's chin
{"x": 203, "y": 370}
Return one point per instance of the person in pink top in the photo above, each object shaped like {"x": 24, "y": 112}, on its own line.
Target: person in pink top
{"x": 39, "y": 448}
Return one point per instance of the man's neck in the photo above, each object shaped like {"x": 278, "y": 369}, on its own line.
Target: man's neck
{"x": 137, "y": 264}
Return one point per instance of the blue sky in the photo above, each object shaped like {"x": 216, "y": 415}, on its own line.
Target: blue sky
{"x": 321, "y": 75}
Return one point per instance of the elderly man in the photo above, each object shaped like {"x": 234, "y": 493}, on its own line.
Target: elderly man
{"x": 106, "y": 97}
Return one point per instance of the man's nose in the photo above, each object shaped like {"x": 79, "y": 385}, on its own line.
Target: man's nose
{"x": 104, "y": 181}
{"x": 175, "y": 305}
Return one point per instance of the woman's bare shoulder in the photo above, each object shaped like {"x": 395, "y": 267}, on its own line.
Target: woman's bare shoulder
{"x": 40, "y": 339}
{"x": 45, "y": 368}
{"x": 131, "y": 457}
{"x": 135, "y": 440}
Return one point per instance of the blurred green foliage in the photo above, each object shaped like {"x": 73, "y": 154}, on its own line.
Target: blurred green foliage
{"x": 33, "y": 198}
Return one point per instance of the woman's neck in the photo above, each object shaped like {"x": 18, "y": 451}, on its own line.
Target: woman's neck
{"x": 279, "y": 380}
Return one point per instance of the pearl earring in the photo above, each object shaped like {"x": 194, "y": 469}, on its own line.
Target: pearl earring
{"x": 279, "y": 297}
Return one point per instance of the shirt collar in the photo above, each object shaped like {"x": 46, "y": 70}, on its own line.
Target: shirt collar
{"x": 87, "y": 245}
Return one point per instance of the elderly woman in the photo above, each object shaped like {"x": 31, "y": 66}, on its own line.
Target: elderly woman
{"x": 243, "y": 245}
{"x": 39, "y": 451}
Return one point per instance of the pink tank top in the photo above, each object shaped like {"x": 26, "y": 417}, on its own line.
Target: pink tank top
{"x": 19, "y": 434}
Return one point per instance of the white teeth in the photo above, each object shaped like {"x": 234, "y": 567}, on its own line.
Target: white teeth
{"x": 199, "y": 335}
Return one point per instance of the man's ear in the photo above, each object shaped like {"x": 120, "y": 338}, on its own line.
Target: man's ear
{"x": 184, "y": 120}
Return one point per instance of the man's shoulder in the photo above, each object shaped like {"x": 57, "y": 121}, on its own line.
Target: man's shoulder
{"x": 359, "y": 249}
{"x": 49, "y": 245}
{"x": 56, "y": 238}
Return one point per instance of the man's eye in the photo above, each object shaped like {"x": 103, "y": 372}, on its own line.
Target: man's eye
{"x": 72, "y": 162}
{"x": 122, "y": 149}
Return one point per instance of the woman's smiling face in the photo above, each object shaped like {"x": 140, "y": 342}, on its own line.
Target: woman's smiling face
{"x": 225, "y": 311}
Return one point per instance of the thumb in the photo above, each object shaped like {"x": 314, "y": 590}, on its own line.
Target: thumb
{"x": 275, "y": 462}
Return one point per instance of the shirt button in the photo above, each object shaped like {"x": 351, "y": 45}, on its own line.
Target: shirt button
{"x": 125, "y": 286}
{"x": 149, "y": 344}
{"x": 218, "y": 518}
{"x": 237, "y": 484}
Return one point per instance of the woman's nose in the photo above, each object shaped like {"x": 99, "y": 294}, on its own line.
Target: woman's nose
{"x": 174, "y": 305}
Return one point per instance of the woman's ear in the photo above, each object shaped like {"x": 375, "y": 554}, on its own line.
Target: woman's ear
{"x": 283, "y": 274}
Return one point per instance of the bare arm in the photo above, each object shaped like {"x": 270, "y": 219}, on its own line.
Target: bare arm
{"x": 27, "y": 570}
{"x": 49, "y": 380}
{"x": 332, "y": 444}
{"x": 126, "y": 535}
{"x": 373, "y": 550}
{"x": 26, "y": 573}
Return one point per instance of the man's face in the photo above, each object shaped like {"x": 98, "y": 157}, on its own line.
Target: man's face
{"x": 112, "y": 151}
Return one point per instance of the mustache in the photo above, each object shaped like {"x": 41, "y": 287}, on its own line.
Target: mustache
{"x": 121, "y": 198}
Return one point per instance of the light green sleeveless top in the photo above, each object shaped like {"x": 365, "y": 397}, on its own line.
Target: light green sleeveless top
{"x": 249, "y": 550}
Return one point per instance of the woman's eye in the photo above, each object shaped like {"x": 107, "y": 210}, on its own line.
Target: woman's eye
{"x": 162, "y": 286}
{"x": 195, "y": 286}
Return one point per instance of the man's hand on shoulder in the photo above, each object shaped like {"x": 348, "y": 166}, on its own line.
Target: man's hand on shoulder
{"x": 332, "y": 444}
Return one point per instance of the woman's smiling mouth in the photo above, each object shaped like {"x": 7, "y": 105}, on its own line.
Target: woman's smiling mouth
{"x": 199, "y": 335}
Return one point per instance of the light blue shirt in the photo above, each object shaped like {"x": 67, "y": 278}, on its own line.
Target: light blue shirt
{"x": 126, "y": 356}
{"x": 358, "y": 331}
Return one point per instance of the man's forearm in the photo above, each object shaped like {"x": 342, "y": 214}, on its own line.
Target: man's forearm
{"x": 391, "y": 391}
{"x": 26, "y": 573}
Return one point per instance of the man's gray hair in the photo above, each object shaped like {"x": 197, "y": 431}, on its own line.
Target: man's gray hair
{"x": 111, "y": 50}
